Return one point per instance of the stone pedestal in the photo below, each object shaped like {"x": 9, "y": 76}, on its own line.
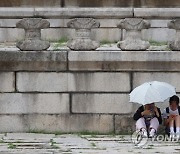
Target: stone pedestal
{"x": 82, "y": 40}
{"x": 32, "y": 27}
{"x": 175, "y": 24}
{"x": 133, "y": 39}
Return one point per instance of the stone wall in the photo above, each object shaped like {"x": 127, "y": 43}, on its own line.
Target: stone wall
{"x": 76, "y": 91}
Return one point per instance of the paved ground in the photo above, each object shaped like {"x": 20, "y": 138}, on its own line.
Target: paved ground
{"x": 30, "y": 143}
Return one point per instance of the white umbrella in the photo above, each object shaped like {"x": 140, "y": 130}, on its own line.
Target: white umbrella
{"x": 152, "y": 92}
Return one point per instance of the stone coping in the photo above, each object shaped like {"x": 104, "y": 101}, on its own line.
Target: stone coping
{"x": 158, "y": 13}
{"x": 111, "y": 12}
{"x": 17, "y": 12}
{"x": 124, "y": 56}
{"x": 89, "y": 61}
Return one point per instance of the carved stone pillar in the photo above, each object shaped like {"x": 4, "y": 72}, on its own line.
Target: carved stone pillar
{"x": 175, "y": 24}
{"x": 133, "y": 39}
{"x": 82, "y": 40}
{"x": 32, "y": 27}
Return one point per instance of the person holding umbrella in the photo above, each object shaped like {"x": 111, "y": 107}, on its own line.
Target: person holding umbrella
{"x": 148, "y": 118}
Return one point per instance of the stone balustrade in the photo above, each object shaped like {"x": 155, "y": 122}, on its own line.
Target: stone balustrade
{"x": 65, "y": 19}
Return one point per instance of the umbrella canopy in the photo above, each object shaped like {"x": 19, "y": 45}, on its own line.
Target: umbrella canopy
{"x": 152, "y": 92}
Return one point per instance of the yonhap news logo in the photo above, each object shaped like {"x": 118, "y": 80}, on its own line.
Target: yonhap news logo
{"x": 139, "y": 140}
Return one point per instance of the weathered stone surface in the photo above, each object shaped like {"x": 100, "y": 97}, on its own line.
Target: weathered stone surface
{"x": 7, "y": 82}
{"x": 101, "y": 103}
{"x": 42, "y": 82}
{"x": 11, "y": 34}
{"x": 33, "y": 60}
{"x": 133, "y": 39}
{"x": 14, "y": 12}
{"x": 82, "y": 40}
{"x": 123, "y": 3}
{"x": 171, "y": 78}
{"x": 117, "y": 82}
{"x": 60, "y": 82}
{"x": 175, "y": 24}
{"x": 121, "y": 60}
{"x": 159, "y": 34}
{"x": 33, "y": 28}
{"x": 13, "y": 123}
{"x": 92, "y": 3}
{"x": 16, "y": 103}
{"x": 160, "y": 13}
{"x": 72, "y": 123}
{"x": 124, "y": 124}
{"x": 84, "y": 12}
{"x": 161, "y": 23}
{"x": 58, "y": 123}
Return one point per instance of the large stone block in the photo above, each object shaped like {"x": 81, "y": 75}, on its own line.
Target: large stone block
{"x": 125, "y": 61}
{"x": 159, "y": 23}
{"x": 8, "y": 23}
{"x": 106, "y": 34}
{"x": 83, "y": 12}
{"x": 159, "y": 34}
{"x": 13, "y": 123}
{"x": 60, "y": 82}
{"x": 72, "y": 123}
{"x": 30, "y": 3}
{"x": 15, "y": 12}
{"x": 171, "y": 78}
{"x": 160, "y": 13}
{"x": 7, "y": 82}
{"x": 11, "y": 34}
{"x": 42, "y": 82}
{"x": 33, "y": 60}
{"x": 107, "y": 81}
{"x": 57, "y": 123}
{"x": 101, "y": 103}
{"x": 99, "y": 3}
{"x": 16, "y": 103}
{"x": 124, "y": 124}
{"x": 55, "y": 34}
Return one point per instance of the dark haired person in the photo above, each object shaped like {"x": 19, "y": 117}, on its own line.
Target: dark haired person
{"x": 148, "y": 118}
{"x": 171, "y": 117}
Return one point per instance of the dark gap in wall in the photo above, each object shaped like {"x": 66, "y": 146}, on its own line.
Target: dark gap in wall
{"x": 62, "y": 3}
{"x": 131, "y": 81}
{"x": 15, "y": 81}
{"x": 114, "y": 124}
{"x": 70, "y": 103}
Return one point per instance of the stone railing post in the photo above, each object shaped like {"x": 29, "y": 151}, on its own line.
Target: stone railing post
{"x": 32, "y": 27}
{"x": 82, "y": 40}
{"x": 175, "y": 24}
{"x": 133, "y": 39}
